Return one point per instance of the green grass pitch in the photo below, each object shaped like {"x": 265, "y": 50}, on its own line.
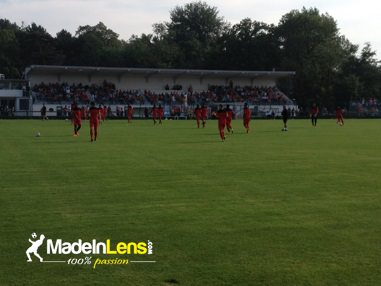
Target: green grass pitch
{"x": 301, "y": 207}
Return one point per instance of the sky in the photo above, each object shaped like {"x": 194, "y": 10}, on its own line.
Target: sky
{"x": 359, "y": 21}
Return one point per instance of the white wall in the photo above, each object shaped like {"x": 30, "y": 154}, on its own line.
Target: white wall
{"x": 153, "y": 82}
{"x": 10, "y": 93}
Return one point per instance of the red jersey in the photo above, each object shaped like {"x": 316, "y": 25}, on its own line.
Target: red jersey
{"x": 204, "y": 112}
{"x": 130, "y": 110}
{"x": 94, "y": 114}
{"x": 160, "y": 112}
{"x": 339, "y": 112}
{"x": 198, "y": 112}
{"x": 221, "y": 115}
{"x": 229, "y": 114}
{"x": 154, "y": 112}
{"x": 246, "y": 113}
{"x": 77, "y": 115}
{"x": 314, "y": 110}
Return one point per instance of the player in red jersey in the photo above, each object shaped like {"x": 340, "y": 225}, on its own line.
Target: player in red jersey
{"x": 77, "y": 119}
{"x": 130, "y": 112}
{"x": 104, "y": 112}
{"x": 204, "y": 115}
{"x": 314, "y": 112}
{"x": 198, "y": 114}
{"x": 160, "y": 113}
{"x": 221, "y": 115}
{"x": 154, "y": 113}
{"x": 339, "y": 116}
{"x": 94, "y": 121}
{"x": 100, "y": 113}
{"x": 246, "y": 117}
{"x": 229, "y": 118}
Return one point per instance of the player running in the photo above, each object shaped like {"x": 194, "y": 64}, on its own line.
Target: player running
{"x": 204, "y": 115}
{"x": 104, "y": 112}
{"x": 160, "y": 113}
{"x": 285, "y": 116}
{"x": 77, "y": 119}
{"x": 229, "y": 118}
{"x": 130, "y": 113}
{"x": 198, "y": 114}
{"x": 246, "y": 117}
{"x": 154, "y": 114}
{"x": 339, "y": 116}
{"x": 221, "y": 115}
{"x": 94, "y": 121}
{"x": 314, "y": 112}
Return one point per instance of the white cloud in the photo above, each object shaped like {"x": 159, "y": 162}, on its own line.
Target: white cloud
{"x": 358, "y": 20}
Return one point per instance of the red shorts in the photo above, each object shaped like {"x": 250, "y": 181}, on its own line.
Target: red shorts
{"x": 77, "y": 122}
{"x": 94, "y": 124}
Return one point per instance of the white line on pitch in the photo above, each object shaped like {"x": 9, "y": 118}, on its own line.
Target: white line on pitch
{"x": 53, "y": 261}
{"x": 142, "y": 261}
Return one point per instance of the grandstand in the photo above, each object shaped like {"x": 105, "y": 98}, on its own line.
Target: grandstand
{"x": 179, "y": 91}
{"x": 14, "y": 97}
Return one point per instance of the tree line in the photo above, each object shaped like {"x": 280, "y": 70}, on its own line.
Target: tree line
{"x": 330, "y": 70}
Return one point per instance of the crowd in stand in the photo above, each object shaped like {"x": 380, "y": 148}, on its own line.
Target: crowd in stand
{"x": 366, "y": 106}
{"x": 6, "y": 110}
{"x": 107, "y": 93}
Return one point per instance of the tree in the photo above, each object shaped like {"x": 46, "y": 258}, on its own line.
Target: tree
{"x": 37, "y": 47}
{"x": 97, "y": 45}
{"x": 8, "y": 48}
{"x": 194, "y": 28}
{"x": 248, "y": 45}
{"x": 310, "y": 44}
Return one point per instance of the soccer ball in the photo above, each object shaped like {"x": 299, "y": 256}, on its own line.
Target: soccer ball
{"x": 34, "y": 235}
{"x": 38, "y": 134}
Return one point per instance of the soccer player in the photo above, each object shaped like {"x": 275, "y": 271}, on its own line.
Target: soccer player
{"x": 43, "y": 112}
{"x": 104, "y": 112}
{"x": 204, "y": 115}
{"x": 154, "y": 113}
{"x": 94, "y": 121}
{"x": 314, "y": 112}
{"x": 160, "y": 113}
{"x": 198, "y": 114}
{"x": 100, "y": 112}
{"x": 285, "y": 116}
{"x": 77, "y": 119}
{"x": 246, "y": 117}
{"x": 221, "y": 115}
{"x": 130, "y": 112}
{"x": 229, "y": 118}
{"x": 339, "y": 116}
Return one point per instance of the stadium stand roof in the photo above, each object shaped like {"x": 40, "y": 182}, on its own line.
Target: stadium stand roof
{"x": 154, "y": 71}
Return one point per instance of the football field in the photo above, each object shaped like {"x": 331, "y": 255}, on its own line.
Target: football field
{"x": 301, "y": 207}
